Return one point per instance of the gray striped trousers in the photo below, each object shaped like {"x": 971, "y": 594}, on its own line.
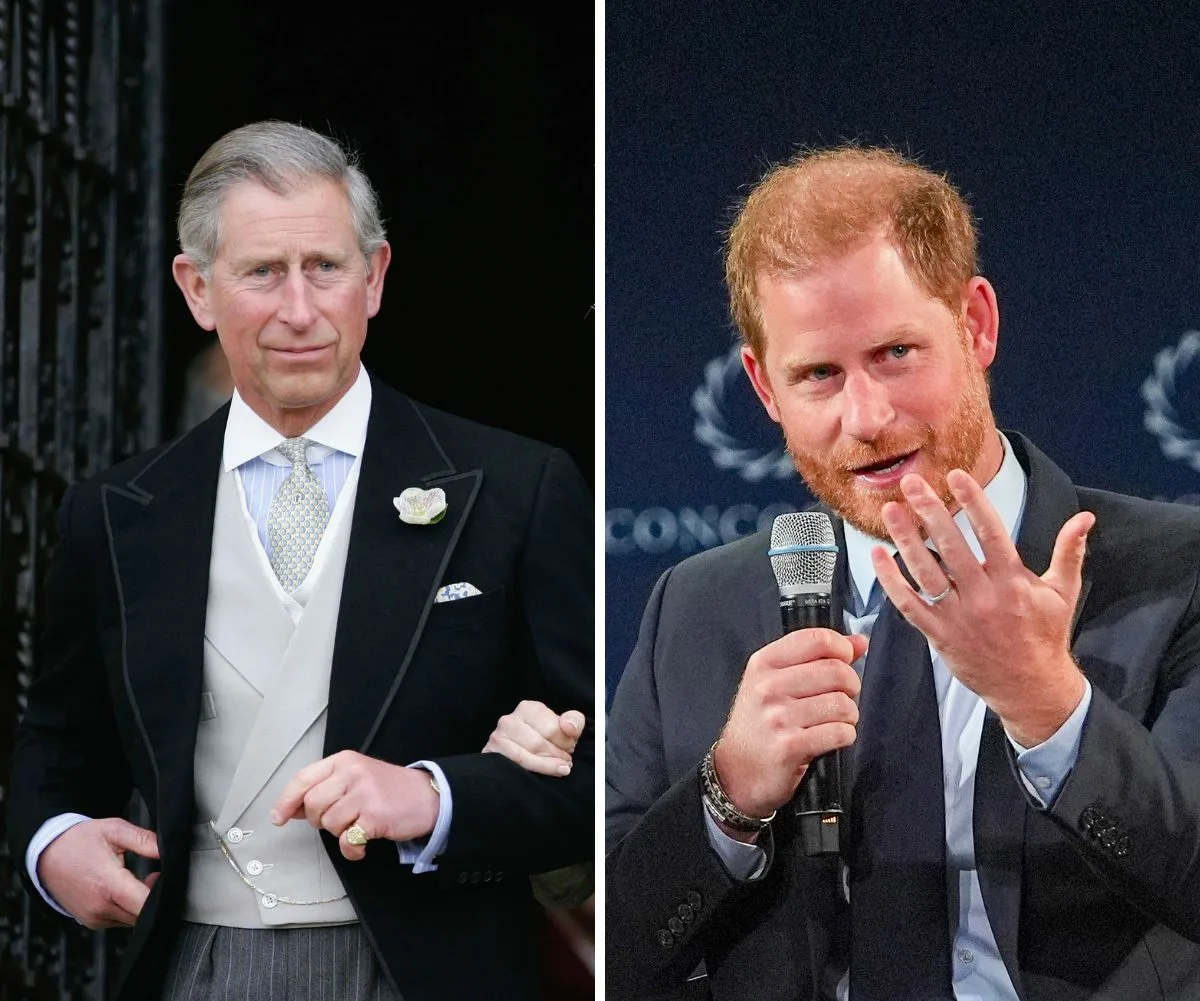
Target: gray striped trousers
{"x": 326, "y": 963}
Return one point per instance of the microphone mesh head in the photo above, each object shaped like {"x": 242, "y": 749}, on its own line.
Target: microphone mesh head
{"x": 806, "y": 571}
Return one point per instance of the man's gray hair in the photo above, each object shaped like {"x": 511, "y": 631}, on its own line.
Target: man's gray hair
{"x": 281, "y": 157}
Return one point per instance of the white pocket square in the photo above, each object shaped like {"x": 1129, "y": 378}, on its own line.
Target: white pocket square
{"x": 452, "y": 592}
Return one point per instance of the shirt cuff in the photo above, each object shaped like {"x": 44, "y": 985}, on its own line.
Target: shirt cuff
{"x": 50, "y": 830}
{"x": 743, "y": 862}
{"x": 1045, "y": 768}
{"x": 421, "y": 852}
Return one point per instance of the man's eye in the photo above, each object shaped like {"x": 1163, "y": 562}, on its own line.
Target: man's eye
{"x": 820, "y": 373}
{"x": 262, "y": 271}
{"x": 898, "y": 350}
{"x": 326, "y": 267}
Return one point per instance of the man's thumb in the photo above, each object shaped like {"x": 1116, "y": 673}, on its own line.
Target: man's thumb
{"x": 124, "y": 836}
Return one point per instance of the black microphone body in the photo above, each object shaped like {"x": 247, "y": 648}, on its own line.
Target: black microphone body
{"x": 818, "y": 802}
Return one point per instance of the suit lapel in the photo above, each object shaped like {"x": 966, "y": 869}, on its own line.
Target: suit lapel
{"x": 393, "y": 569}
{"x": 1001, "y": 810}
{"x": 160, "y": 536}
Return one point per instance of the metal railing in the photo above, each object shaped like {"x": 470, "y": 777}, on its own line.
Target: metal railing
{"x": 81, "y": 150}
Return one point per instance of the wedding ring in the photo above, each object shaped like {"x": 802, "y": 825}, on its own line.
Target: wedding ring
{"x": 355, "y": 835}
{"x": 932, "y": 599}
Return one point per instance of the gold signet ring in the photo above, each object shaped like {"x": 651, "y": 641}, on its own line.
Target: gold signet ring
{"x": 355, "y": 835}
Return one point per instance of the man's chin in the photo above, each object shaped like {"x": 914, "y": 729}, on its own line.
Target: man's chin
{"x": 302, "y": 392}
{"x": 857, "y": 506}
{"x": 868, "y": 521}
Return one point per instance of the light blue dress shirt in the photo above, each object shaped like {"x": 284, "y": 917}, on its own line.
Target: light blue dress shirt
{"x": 979, "y": 973}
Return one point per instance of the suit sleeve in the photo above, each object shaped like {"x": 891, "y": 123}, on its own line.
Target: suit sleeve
{"x": 1131, "y": 806}
{"x": 66, "y": 755}
{"x": 506, "y": 818}
{"x": 660, "y": 867}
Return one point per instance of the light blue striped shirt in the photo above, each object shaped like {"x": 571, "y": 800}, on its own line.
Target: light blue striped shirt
{"x": 264, "y": 474}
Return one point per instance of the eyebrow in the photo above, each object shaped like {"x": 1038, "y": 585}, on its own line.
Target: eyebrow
{"x": 793, "y": 364}
{"x": 251, "y": 261}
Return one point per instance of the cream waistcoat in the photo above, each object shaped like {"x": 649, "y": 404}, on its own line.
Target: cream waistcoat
{"x": 267, "y": 659}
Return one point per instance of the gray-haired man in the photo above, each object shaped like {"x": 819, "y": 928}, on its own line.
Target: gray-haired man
{"x": 313, "y": 607}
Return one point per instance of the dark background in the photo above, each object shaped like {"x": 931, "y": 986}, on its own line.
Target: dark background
{"x": 1072, "y": 128}
{"x": 477, "y": 130}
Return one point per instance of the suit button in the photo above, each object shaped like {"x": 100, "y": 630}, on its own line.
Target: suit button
{"x": 254, "y": 867}
{"x": 665, "y": 938}
{"x": 499, "y": 876}
{"x": 234, "y": 835}
{"x": 686, "y": 912}
{"x": 487, "y": 876}
{"x": 462, "y": 878}
{"x": 675, "y": 925}
{"x": 474, "y": 877}
{"x": 695, "y": 900}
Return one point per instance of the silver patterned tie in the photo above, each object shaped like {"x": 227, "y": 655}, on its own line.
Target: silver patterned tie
{"x": 298, "y": 515}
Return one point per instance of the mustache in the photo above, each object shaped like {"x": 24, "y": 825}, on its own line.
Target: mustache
{"x": 855, "y": 455}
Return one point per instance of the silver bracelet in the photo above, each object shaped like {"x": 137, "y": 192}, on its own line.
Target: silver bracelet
{"x": 719, "y": 805}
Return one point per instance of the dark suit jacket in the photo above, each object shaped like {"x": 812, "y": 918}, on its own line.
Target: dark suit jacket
{"x": 117, "y": 699}
{"x": 1096, "y": 897}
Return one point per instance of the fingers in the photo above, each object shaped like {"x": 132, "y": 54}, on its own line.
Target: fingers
{"x": 957, "y": 559}
{"x": 352, "y": 853}
{"x": 546, "y": 741}
{"x": 1066, "y": 564}
{"x": 805, "y": 645}
{"x": 898, "y": 590}
{"x": 123, "y": 836}
{"x": 321, "y": 797}
{"x": 923, "y": 566}
{"x": 290, "y": 804}
{"x": 540, "y": 764}
{"x": 995, "y": 543}
{"x": 544, "y": 721}
{"x": 127, "y": 894}
{"x": 571, "y": 723}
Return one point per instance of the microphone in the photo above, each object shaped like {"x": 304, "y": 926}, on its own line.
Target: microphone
{"x": 803, "y": 553}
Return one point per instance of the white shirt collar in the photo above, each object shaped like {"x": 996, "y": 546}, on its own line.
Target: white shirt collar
{"x": 1006, "y": 491}
{"x": 344, "y": 428}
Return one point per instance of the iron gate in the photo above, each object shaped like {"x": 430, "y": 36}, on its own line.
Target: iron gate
{"x": 81, "y": 152}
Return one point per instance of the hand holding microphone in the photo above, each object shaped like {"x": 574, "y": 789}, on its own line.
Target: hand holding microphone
{"x": 795, "y": 703}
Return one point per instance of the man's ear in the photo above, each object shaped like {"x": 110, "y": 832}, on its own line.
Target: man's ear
{"x": 981, "y": 321}
{"x": 378, "y": 268}
{"x": 194, "y": 287}
{"x": 758, "y": 379}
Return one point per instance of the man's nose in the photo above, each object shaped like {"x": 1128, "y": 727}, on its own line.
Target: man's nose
{"x": 297, "y": 309}
{"x": 866, "y": 408}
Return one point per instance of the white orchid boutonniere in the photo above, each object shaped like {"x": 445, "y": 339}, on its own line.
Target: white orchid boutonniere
{"x": 421, "y": 507}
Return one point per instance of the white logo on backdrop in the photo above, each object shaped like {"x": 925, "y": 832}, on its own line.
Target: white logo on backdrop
{"x": 1160, "y": 393}
{"x": 710, "y": 401}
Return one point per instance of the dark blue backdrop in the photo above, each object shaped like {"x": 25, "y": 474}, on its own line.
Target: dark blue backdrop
{"x": 1073, "y": 131}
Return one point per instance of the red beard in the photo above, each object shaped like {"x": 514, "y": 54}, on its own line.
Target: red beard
{"x": 955, "y": 445}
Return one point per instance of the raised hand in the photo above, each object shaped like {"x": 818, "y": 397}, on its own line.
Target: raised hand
{"x": 83, "y": 869}
{"x": 1002, "y": 630}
